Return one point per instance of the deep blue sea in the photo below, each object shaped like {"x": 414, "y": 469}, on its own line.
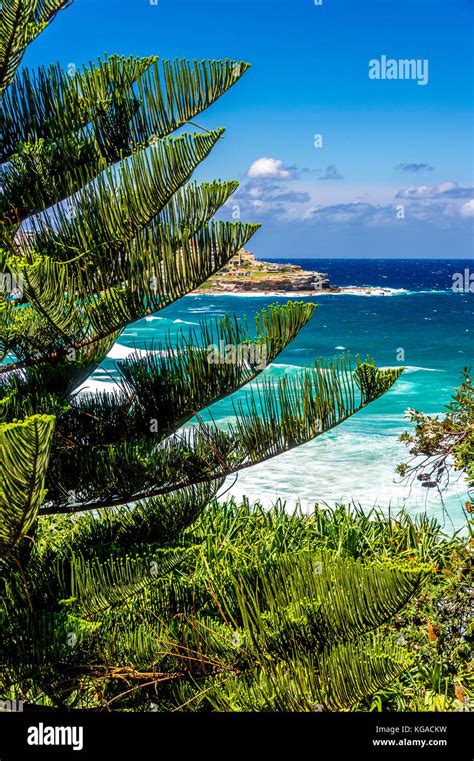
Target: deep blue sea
{"x": 422, "y": 316}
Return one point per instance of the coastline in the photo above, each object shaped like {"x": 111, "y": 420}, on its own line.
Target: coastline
{"x": 341, "y": 291}
{"x": 422, "y": 309}
{"x": 245, "y": 275}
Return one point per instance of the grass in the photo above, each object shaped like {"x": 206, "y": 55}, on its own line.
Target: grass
{"x": 172, "y": 641}
{"x": 435, "y": 627}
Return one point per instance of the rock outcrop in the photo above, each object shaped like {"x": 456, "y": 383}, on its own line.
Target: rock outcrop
{"x": 244, "y": 273}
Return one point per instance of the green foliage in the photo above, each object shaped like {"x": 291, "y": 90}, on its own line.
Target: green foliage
{"x": 24, "y": 454}
{"x": 247, "y": 609}
{"x": 20, "y": 22}
{"x": 101, "y": 226}
{"x": 113, "y": 595}
{"x": 439, "y": 446}
{"x": 352, "y": 671}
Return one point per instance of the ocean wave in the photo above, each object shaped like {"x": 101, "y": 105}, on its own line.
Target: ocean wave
{"x": 403, "y": 387}
{"x": 433, "y": 290}
{"x": 278, "y": 370}
{"x": 415, "y": 369}
{"x": 349, "y": 290}
{"x": 118, "y": 351}
{"x": 375, "y": 291}
{"x": 343, "y": 466}
{"x": 91, "y": 385}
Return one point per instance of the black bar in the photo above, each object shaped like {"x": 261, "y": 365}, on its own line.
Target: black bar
{"x": 335, "y": 736}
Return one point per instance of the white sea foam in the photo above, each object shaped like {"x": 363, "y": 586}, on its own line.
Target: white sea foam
{"x": 367, "y": 291}
{"x": 415, "y": 369}
{"x": 283, "y": 366}
{"x": 118, "y": 351}
{"x": 402, "y": 387}
{"x": 415, "y": 293}
{"x": 343, "y": 466}
{"x": 355, "y": 290}
{"x": 349, "y": 290}
{"x": 93, "y": 386}
{"x": 121, "y": 352}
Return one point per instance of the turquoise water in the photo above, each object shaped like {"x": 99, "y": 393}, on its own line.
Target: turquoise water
{"x": 427, "y": 328}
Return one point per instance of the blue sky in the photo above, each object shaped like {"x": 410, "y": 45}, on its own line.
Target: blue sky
{"x": 394, "y": 175}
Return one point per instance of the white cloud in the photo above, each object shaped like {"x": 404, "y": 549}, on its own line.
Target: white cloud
{"x": 442, "y": 190}
{"x": 447, "y": 205}
{"x": 266, "y": 167}
{"x": 357, "y": 213}
{"x": 444, "y": 187}
{"x": 467, "y": 209}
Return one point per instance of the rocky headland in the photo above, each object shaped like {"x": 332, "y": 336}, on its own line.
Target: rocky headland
{"x": 245, "y": 274}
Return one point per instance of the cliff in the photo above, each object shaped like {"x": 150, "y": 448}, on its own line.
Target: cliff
{"x": 244, "y": 274}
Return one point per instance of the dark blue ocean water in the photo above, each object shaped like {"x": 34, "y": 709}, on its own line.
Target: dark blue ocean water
{"x": 423, "y": 321}
{"x": 407, "y": 274}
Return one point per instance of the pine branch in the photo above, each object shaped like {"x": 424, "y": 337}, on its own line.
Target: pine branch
{"x": 62, "y": 131}
{"x": 20, "y": 22}
{"x": 275, "y": 419}
{"x": 157, "y": 276}
{"x": 24, "y": 452}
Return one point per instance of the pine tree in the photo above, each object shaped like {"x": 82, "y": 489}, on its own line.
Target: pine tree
{"x": 101, "y": 226}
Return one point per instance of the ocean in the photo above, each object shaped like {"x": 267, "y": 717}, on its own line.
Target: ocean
{"x": 422, "y": 320}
